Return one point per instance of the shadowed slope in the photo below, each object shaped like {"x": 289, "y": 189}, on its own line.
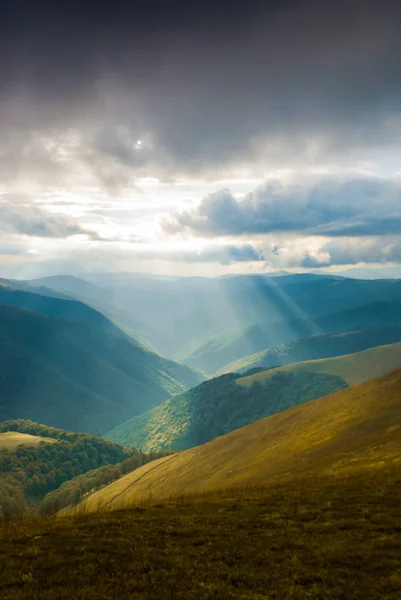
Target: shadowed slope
{"x": 74, "y": 376}
{"x": 353, "y": 429}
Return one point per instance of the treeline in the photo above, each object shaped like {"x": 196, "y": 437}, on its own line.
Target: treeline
{"x": 74, "y": 490}
{"x": 28, "y": 473}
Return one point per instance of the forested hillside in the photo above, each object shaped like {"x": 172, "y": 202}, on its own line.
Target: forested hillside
{"x": 28, "y": 473}
{"x": 61, "y": 469}
{"x": 218, "y": 406}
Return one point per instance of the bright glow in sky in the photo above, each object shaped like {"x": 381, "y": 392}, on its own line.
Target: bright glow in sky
{"x": 268, "y": 140}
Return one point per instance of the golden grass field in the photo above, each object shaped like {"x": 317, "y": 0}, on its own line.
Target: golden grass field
{"x": 354, "y": 430}
{"x": 353, "y": 368}
{"x": 12, "y": 439}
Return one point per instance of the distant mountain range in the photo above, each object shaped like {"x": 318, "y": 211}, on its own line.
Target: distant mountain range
{"x": 317, "y": 346}
{"x": 220, "y": 351}
{"x": 175, "y": 315}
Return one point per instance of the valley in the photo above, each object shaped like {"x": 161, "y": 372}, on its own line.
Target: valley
{"x": 121, "y": 467}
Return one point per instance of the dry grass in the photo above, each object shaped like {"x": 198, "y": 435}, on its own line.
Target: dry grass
{"x": 335, "y": 538}
{"x": 353, "y": 368}
{"x": 12, "y": 439}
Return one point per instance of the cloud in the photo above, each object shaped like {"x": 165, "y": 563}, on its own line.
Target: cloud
{"x": 18, "y": 215}
{"x": 224, "y": 254}
{"x": 358, "y": 207}
{"x": 264, "y": 85}
{"x": 316, "y": 253}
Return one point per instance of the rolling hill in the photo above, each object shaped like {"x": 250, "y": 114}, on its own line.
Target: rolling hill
{"x": 228, "y": 402}
{"x": 353, "y": 368}
{"x": 223, "y": 350}
{"x": 350, "y": 431}
{"x": 77, "y": 376}
{"x": 315, "y": 347}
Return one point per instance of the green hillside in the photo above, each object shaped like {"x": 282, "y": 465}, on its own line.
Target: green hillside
{"x": 352, "y": 430}
{"x": 316, "y": 347}
{"x": 228, "y": 402}
{"x": 353, "y": 368}
{"x": 220, "y": 351}
{"x": 217, "y": 407}
{"x": 76, "y": 376}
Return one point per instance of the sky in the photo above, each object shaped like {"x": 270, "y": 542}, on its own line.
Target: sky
{"x": 199, "y": 138}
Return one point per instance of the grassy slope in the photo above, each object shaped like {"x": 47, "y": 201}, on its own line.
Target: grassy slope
{"x": 322, "y": 539}
{"x": 219, "y": 406}
{"x": 75, "y": 376}
{"x": 353, "y": 368}
{"x": 316, "y": 347}
{"x": 222, "y": 350}
{"x": 12, "y": 439}
{"x": 357, "y": 428}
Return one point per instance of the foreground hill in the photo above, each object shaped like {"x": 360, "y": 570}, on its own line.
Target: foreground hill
{"x": 225, "y": 403}
{"x": 331, "y": 539}
{"x": 355, "y": 429}
{"x": 316, "y": 347}
{"x": 75, "y": 376}
{"x": 217, "y": 407}
{"x": 221, "y": 351}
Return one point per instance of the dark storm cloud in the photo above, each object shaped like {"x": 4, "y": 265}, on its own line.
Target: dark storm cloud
{"x": 357, "y": 207}
{"x": 206, "y": 83}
